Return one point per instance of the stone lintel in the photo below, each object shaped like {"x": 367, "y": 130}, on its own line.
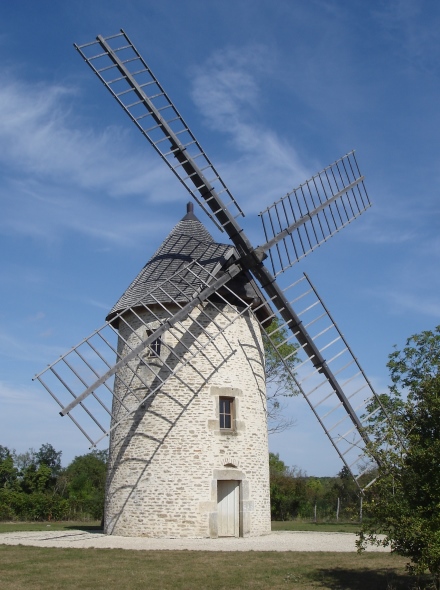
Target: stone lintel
{"x": 226, "y": 391}
{"x": 231, "y": 473}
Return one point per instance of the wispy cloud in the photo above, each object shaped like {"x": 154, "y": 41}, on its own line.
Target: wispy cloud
{"x": 40, "y": 315}
{"x": 99, "y": 304}
{"x": 15, "y": 394}
{"x": 44, "y": 137}
{"x": 413, "y": 28}
{"x": 27, "y": 350}
{"x": 59, "y": 173}
{"x": 410, "y": 302}
{"x": 263, "y": 164}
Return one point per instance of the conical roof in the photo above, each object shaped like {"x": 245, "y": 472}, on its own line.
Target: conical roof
{"x": 189, "y": 240}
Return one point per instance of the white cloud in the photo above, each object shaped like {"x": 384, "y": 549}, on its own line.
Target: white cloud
{"x": 225, "y": 86}
{"x": 263, "y": 165}
{"x": 40, "y": 315}
{"x": 15, "y": 395}
{"x": 413, "y": 29}
{"x": 98, "y": 304}
{"x": 59, "y": 174}
{"x": 44, "y": 137}
{"x": 411, "y": 302}
{"x": 17, "y": 348}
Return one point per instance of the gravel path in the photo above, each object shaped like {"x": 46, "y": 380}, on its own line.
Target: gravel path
{"x": 277, "y": 541}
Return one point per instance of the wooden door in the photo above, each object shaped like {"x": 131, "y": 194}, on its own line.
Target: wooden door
{"x": 228, "y": 508}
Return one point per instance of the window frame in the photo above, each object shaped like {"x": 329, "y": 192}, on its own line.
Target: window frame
{"x": 224, "y": 415}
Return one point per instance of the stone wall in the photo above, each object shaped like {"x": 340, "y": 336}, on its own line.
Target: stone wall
{"x": 166, "y": 460}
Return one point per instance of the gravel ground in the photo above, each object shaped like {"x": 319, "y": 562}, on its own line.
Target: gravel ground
{"x": 277, "y": 541}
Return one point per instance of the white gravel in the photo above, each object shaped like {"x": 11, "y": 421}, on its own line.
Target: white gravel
{"x": 277, "y": 541}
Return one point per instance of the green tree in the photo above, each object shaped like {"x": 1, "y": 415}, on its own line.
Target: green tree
{"x": 279, "y": 380}
{"x": 39, "y": 470}
{"x": 8, "y": 472}
{"x": 404, "y": 502}
{"x": 287, "y": 489}
{"x": 48, "y": 456}
{"x": 36, "y": 479}
{"x": 85, "y": 483}
{"x": 345, "y": 491}
{"x": 23, "y": 460}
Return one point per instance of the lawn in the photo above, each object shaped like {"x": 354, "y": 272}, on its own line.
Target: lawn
{"x": 40, "y": 568}
{"x": 317, "y": 527}
{"x": 47, "y": 569}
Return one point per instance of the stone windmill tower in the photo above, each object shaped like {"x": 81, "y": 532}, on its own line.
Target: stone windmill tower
{"x": 193, "y": 459}
{"x": 184, "y": 402}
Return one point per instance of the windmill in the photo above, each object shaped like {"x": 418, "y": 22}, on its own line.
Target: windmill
{"x": 186, "y": 393}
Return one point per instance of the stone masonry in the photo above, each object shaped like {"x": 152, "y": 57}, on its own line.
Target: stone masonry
{"x": 166, "y": 461}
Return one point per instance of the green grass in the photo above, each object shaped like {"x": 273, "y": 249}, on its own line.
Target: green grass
{"x": 104, "y": 569}
{"x": 40, "y": 568}
{"x": 318, "y": 527}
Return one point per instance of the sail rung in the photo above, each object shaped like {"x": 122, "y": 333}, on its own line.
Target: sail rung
{"x": 117, "y": 49}
{"x": 116, "y": 80}
{"x": 131, "y": 59}
{"x": 106, "y": 68}
{"x": 123, "y": 92}
{"x": 105, "y": 54}
{"x": 330, "y": 344}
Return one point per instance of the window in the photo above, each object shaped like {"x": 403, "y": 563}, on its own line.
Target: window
{"x": 226, "y": 413}
{"x": 154, "y": 348}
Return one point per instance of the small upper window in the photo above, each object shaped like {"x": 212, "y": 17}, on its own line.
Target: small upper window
{"x": 226, "y": 412}
{"x": 154, "y": 347}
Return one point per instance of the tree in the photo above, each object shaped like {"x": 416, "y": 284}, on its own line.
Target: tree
{"x": 85, "y": 478}
{"x": 39, "y": 470}
{"x": 23, "y": 460}
{"x": 48, "y": 456}
{"x": 279, "y": 380}
{"x": 287, "y": 489}
{"x": 36, "y": 479}
{"x": 344, "y": 494}
{"x": 8, "y": 472}
{"x": 404, "y": 502}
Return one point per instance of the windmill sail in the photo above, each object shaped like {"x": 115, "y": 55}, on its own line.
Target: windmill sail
{"x": 334, "y": 407}
{"x": 293, "y": 226}
{"x": 82, "y": 380}
{"x": 310, "y": 214}
{"x": 123, "y": 71}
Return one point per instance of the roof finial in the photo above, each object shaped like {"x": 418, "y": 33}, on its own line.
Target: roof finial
{"x": 190, "y": 212}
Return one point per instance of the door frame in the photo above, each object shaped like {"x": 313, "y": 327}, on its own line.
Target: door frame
{"x": 246, "y": 507}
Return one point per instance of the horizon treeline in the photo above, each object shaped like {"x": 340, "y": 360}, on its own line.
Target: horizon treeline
{"x": 34, "y": 486}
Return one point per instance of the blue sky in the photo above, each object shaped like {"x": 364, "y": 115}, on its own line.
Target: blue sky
{"x": 274, "y": 91}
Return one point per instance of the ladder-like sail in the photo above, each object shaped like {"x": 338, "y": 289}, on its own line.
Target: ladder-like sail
{"x": 294, "y": 226}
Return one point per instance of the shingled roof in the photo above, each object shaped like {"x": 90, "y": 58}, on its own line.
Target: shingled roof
{"x": 189, "y": 240}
